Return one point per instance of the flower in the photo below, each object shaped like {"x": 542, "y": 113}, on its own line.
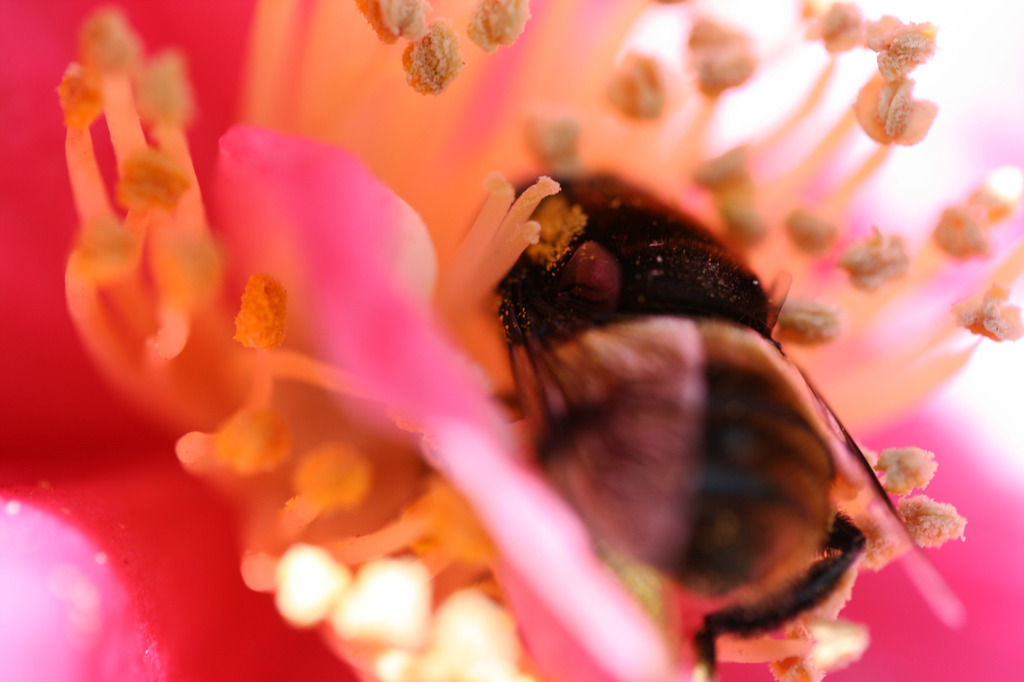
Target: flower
{"x": 398, "y": 177}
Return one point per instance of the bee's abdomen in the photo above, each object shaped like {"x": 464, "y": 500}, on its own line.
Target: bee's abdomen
{"x": 763, "y": 505}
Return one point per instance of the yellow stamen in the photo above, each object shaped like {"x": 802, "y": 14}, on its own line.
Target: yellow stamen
{"x": 80, "y": 97}
{"x": 638, "y": 87}
{"x": 188, "y": 267}
{"x": 727, "y": 170}
{"x": 842, "y": 27}
{"x": 931, "y": 523}
{"x": 721, "y": 56}
{"x": 391, "y": 19}
{"x": 164, "y": 94}
{"x": 109, "y": 49}
{"x": 559, "y": 224}
{"x": 263, "y": 318}
{"x": 875, "y": 261}
{"x": 811, "y": 233}
{"x": 106, "y": 250}
{"x": 883, "y": 545}
{"x": 107, "y": 43}
{"x": 309, "y": 584}
{"x": 744, "y": 221}
{"x": 906, "y": 469}
{"x": 807, "y": 322}
{"x": 452, "y": 524}
{"x": 889, "y": 114}
{"x": 333, "y": 476}
{"x": 151, "y": 179}
{"x": 901, "y": 47}
{"x": 498, "y": 22}
{"x": 794, "y": 670}
{"x": 253, "y": 441}
{"x": 830, "y": 608}
{"x": 553, "y": 137}
{"x": 837, "y": 643}
{"x": 959, "y": 233}
{"x": 497, "y": 238}
{"x": 988, "y": 316}
{"x": 433, "y": 62}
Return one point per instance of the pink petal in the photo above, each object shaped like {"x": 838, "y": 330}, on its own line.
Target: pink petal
{"x": 171, "y": 599}
{"x": 390, "y": 344}
{"x": 66, "y": 614}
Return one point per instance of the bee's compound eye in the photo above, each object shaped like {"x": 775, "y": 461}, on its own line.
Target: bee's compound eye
{"x": 593, "y": 276}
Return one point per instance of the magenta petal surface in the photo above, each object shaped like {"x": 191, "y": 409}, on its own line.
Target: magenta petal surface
{"x": 344, "y": 217}
{"x": 66, "y": 614}
{"x": 167, "y": 589}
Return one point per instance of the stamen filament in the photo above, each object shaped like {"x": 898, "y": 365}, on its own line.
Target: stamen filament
{"x": 500, "y": 195}
{"x": 295, "y": 366}
{"x": 195, "y": 451}
{"x": 261, "y": 391}
{"x": 436, "y": 561}
{"x": 691, "y": 147}
{"x": 1011, "y": 267}
{"x": 126, "y": 134}
{"x": 190, "y": 214}
{"x": 918, "y": 379}
{"x": 815, "y": 161}
{"x": 837, "y": 201}
{"x": 394, "y": 537}
{"x": 275, "y": 31}
{"x": 103, "y": 343}
{"x": 132, "y": 305}
{"x": 87, "y": 188}
{"x": 863, "y": 315}
{"x": 491, "y": 248}
{"x": 810, "y": 103}
{"x": 171, "y": 335}
{"x": 759, "y": 649}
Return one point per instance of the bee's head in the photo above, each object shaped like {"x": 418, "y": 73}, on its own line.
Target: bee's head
{"x": 609, "y": 252}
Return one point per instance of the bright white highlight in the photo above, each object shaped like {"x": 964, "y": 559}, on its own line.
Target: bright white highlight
{"x": 473, "y": 639}
{"x": 389, "y": 603}
{"x": 393, "y": 666}
{"x": 309, "y": 584}
{"x": 1006, "y": 183}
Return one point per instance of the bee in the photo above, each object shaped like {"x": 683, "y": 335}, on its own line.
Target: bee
{"x": 666, "y": 415}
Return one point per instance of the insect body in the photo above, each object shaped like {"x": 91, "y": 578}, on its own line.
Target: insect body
{"x": 665, "y": 413}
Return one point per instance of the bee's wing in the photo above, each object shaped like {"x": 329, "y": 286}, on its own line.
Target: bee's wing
{"x": 929, "y": 582}
{"x": 619, "y": 411}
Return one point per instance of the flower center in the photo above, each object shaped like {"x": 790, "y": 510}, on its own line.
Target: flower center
{"x": 347, "y": 526}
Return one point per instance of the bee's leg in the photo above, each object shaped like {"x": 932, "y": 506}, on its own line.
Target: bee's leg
{"x": 844, "y": 544}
